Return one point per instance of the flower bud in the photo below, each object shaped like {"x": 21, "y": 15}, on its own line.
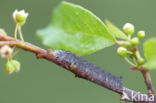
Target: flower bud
{"x": 122, "y": 52}
{"x": 12, "y": 66}
{"x": 16, "y": 65}
{"x": 141, "y": 61}
{"x": 20, "y": 17}
{"x": 134, "y": 41}
{"x": 6, "y": 52}
{"x": 141, "y": 34}
{"x": 128, "y": 29}
{"x": 9, "y": 67}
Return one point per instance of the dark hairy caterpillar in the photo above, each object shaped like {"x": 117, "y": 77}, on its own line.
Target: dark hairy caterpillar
{"x": 86, "y": 70}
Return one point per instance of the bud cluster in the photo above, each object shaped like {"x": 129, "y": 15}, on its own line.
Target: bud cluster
{"x": 7, "y": 52}
{"x": 12, "y": 66}
{"x": 128, "y": 47}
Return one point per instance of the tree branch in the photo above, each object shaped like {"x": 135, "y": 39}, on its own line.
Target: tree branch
{"x": 79, "y": 67}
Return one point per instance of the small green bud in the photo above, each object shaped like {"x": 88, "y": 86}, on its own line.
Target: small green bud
{"x": 16, "y": 65}
{"x": 9, "y": 68}
{"x": 122, "y": 52}
{"x": 128, "y": 29}
{"x": 141, "y": 34}
{"x": 20, "y": 17}
{"x": 134, "y": 41}
{"x": 141, "y": 61}
{"x": 12, "y": 66}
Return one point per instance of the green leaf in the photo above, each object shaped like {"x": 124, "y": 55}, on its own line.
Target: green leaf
{"x": 74, "y": 18}
{"x": 75, "y": 29}
{"x": 150, "y": 53}
{"x": 78, "y": 43}
{"x": 151, "y": 64}
{"x": 150, "y": 48}
{"x": 115, "y": 30}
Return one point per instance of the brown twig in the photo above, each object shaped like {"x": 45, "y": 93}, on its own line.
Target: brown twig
{"x": 79, "y": 67}
{"x": 148, "y": 80}
{"x": 145, "y": 73}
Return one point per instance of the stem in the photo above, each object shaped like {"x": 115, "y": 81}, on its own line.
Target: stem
{"x": 145, "y": 73}
{"x": 15, "y": 32}
{"x": 148, "y": 80}
{"x": 137, "y": 55}
{"x": 129, "y": 62}
{"x": 20, "y": 33}
{"x": 134, "y": 61}
{"x": 129, "y": 37}
{"x": 15, "y": 53}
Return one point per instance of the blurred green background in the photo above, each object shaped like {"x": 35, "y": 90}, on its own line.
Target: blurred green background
{"x": 43, "y": 82}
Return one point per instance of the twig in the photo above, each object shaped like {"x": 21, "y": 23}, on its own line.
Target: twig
{"x": 148, "y": 80}
{"x": 78, "y": 66}
{"x": 145, "y": 73}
